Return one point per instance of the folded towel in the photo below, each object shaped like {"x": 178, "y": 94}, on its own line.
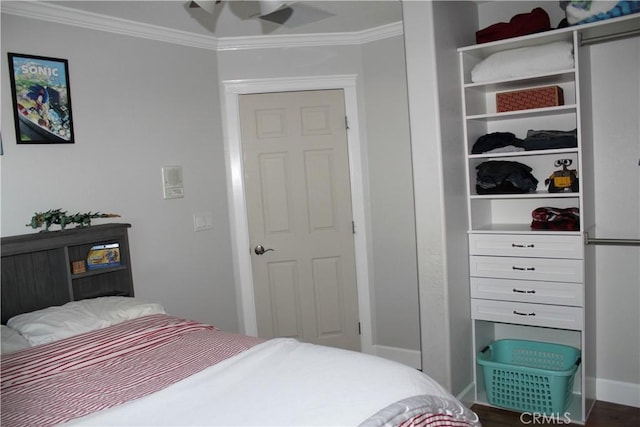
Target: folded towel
{"x": 524, "y": 61}
{"x": 578, "y": 11}
{"x": 583, "y": 12}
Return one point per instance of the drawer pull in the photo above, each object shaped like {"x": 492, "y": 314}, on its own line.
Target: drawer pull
{"x": 523, "y": 314}
{"x": 523, "y": 268}
{"x": 520, "y": 291}
{"x": 516, "y": 245}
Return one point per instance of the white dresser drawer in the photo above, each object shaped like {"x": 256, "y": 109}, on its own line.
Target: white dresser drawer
{"x": 559, "y": 293}
{"x": 526, "y": 245}
{"x": 550, "y": 316}
{"x": 552, "y": 270}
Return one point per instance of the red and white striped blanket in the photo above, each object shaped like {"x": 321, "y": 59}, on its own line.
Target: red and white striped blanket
{"x": 162, "y": 370}
{"x": 70, "y": 378}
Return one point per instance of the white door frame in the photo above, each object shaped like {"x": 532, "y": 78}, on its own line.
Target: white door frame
{"x": 240, "y": 243}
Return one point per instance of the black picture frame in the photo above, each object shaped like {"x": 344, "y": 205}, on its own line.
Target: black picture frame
{"x": 41, "y": 97}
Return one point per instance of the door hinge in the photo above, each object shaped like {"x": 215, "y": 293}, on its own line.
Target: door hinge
{"x": 353, "y": 227}
{"x": 359, "y": 328}
{"x": 346, "y": 122}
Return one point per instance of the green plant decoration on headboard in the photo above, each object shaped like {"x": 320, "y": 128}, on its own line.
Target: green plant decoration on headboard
{"x": 60, "y": 217}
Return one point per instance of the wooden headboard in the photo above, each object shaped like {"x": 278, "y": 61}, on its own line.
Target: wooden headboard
{"x": 37, "y": 268}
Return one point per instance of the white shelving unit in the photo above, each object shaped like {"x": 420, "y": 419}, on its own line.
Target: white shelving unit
{"x": 531, "y": 284}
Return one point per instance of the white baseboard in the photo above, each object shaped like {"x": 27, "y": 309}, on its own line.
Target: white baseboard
{"x": 606, "y": 390}
{"x": 412, "y": 358}
{"x": 468, "y": 395}
{"x": 618, "y": 392}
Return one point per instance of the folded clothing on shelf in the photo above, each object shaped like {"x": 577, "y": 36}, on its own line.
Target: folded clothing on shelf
{"x": 497, "y": 142}
{"x": 521, "y": 24}
{"x": 503, "y": 142}
{"x": 561, "y": 219}
{"x": 582, "y": 12}
{"x": 504, "y": 177}
{"x": 550, "y": 139}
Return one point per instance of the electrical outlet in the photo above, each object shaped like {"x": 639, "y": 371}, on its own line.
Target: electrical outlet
{"x": 202, "y": 221}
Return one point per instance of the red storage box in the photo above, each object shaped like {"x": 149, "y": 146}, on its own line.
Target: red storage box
{"x": 548, "y": 96}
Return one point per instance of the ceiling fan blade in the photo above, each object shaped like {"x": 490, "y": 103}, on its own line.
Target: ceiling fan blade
{"x": 280, "y": 16}
{"x": 269, "y": 6}
{"x": 206, "y": 5}
{"x": 206, "y": 12}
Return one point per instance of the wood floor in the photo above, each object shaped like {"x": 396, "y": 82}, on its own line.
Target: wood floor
{"x": 604, "y": 414}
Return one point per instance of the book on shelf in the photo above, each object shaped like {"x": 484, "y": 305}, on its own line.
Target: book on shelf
{"x": 103, "y": 256}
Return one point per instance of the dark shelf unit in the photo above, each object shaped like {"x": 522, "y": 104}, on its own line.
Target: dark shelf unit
{"x": 36, "y": 268}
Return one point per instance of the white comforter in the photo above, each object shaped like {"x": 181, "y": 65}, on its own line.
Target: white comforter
{"x": 339, "y": 390}
{"x": 161, "y": 370}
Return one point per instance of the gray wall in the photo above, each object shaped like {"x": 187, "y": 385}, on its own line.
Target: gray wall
{"x": 451, "y": 23}
{"x": 383, "y": 116}
{"x": 138, "y": 105}
{"x": 141, "y": 104}
{"x": 433, "y": 31}
{"x": 427, "y": 175}
{"x": 616, "y": 128}
{"x": 391, "y": 182}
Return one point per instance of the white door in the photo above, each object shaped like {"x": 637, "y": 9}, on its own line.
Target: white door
{"x": 299, "y": 210}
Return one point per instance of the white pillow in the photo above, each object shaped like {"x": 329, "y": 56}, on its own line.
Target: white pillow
{"x": 11, "y": 340}
{"x": 76, "y": 317}
{"x": 525, "y": 61}
{"x": 114, "y": 310}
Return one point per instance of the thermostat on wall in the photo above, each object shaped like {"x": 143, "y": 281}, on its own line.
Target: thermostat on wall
{"x": 172, "y": 182}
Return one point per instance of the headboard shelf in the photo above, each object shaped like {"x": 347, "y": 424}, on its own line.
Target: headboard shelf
{"x": 37, "y": 273}
{"x": 26, "y": 243}
{"x": 98, "y": 272}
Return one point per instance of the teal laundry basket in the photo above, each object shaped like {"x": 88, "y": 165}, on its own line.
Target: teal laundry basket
{"x": 529, "y": 376}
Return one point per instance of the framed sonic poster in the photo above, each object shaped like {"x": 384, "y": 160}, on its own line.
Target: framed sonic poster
{"x": 41, "y": 99}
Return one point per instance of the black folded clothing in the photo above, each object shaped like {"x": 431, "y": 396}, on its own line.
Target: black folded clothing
{"x": 495, "y": 140}
{"x": 550, "y": 139}
{"x": 504, "y": 177}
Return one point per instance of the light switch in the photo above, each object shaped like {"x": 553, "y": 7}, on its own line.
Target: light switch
{"x": 202, "y": 221}
{"x": 172, "y": 182}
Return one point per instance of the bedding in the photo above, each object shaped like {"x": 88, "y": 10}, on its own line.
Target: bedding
{"x": 163, "y": 370}
{"x": 73, "y": 318}
{"x": 523, "y": 62}
{"x": 11, "y": 340}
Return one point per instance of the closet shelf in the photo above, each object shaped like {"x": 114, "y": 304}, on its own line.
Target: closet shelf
{"x": 562, "y": 109}
{"x": 562, "y": 76}
{"x": 524, "y": 153}
{"x": 533, "y": 195}
{"x": 519, "y": 229}
{"x": 593, "y": 30}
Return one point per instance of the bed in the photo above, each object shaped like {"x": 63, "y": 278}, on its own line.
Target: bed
{"x": 120, "y": 360}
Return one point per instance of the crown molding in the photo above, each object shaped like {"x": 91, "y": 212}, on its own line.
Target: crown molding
{"x": 311, "y": 40}
{"x": 68, "y": 16}
{"x": 95, "y": 21}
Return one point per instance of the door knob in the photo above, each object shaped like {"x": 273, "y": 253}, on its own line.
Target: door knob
{"x": 259, "y": 250}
